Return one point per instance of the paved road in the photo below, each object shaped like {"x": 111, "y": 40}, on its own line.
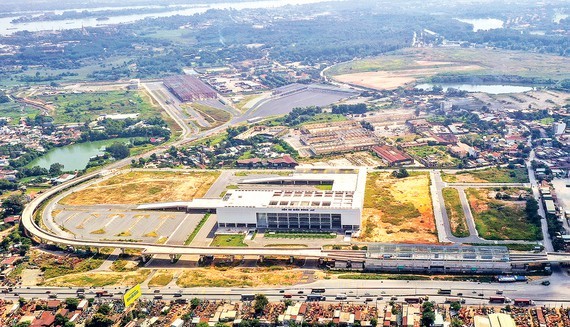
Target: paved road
{"x": 547, "y": 242}
{"x": 356, "y": 291}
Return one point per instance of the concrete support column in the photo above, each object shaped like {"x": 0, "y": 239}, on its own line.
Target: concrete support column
{"x": 172, "y": 258}
{"x": 261, "y": 259}
{"x": 291, "y": 259}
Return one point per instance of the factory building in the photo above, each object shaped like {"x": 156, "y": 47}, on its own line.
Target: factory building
{"x": 188, "y": 88}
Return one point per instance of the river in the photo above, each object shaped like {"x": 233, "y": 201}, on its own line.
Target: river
{"x": 7, "y": 27}
{"x": 74, "y": 156}
{"x": 483, "y": 24}
{"x": 484, "y": 88}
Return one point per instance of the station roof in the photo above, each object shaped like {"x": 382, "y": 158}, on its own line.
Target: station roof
{"x": 438, "y": 252}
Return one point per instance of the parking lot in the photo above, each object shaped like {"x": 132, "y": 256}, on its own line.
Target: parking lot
{"x": 123, "y": 222}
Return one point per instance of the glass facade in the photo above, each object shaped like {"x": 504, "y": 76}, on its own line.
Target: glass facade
{"x": 303, "y": 221}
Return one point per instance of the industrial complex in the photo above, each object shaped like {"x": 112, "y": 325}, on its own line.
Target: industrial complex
{"x": 188, "y": 88}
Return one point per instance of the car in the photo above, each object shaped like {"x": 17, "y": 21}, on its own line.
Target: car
{"x": 481, "y": 294}
{"x": 281, "y": 291}
{"x": 546, "y": 283}
{"x": 177, "y": 295}
{"x": 499, "y": 292}
{"x": 156, "y": 291}
{"x": 52, "y": 296}
{"x": 380, "y": 298}
{"x": 368, "y": 299}
{"x": 351, "y": 292}
{"x": 367, "y": 294}
{"x": 459, "y": 294}
{"x": 383, "y": 292}
{"x": 300, "y": 292}
{"x": 393, "y": 298}
{"x": 48, "y": 292}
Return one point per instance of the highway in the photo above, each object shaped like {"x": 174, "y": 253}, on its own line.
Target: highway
{"x": 356, "y": 290}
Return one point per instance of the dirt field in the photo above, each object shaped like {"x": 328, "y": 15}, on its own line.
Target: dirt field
{"x": 398, "y": 210}
{"x": 389, "y": 80}
{"x": 406, "y": 66}
{"x": 239, "y": 277}
{"x": 144, "y": 187}
{"x": 100, "y": 279}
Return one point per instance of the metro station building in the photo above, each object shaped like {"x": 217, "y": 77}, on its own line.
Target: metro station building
{"x": 289, "y": 202}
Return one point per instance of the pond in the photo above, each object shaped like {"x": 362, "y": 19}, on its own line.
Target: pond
{"x": 484, "y": 88}
{"x": 483, "y": 24}
{"x": 74, "y": 156}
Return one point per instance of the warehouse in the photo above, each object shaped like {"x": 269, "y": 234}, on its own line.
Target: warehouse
{"x": 392, "y": 156}
{"x": 189, "y": 88}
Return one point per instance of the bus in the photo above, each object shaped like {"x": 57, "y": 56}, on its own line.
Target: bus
{"x": 317, "y": 290}
{"x": 315, "y": 298}
{"x": 444, "y": 291}
{"x": 247, "y": 297}
{"x": 523, "y": 302}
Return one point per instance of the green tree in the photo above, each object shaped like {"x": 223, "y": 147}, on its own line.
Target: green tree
{"x": 260, "y": 303}
{"x": 455, "y": 306}
{"x": 55, "y": 169}
{"x": 195, "y": 302}
{"x": 118, "y": 150}
{"x": 104, "y": 309}
{"x": 14, "y": 204}
{"x": 72, "y": 303}
{"x": 456, "y": 322}
{"x": 99, "y": 320}
{"x": 202, "y": 324}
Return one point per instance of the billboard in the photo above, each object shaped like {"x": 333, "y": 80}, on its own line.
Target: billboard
{"x": 132, "y": 295}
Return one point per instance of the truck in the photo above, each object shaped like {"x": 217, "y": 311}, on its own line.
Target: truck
{"x": 318, "y": 290}
{"x": 523, "y": 302}
{"x": 177, "y": 323}
{"x": 497, "y": 299}
{"x": 444, "y": 291}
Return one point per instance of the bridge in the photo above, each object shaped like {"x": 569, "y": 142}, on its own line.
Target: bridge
{"x": 149, "y": 249}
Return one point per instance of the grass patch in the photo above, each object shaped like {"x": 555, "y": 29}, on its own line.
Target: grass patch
{"x": 455, "y": 212}
{"x": 299, "y": 235}
{"x": 125, "y": 234}
{"x": 53, "y": 270}
{"x": 100, "y": 279}
{"x": 98, "y": 231}
{"x": 229, "y": 240}
{"x": 324, "y": 187}
{"x": 238, "y": 277}
{"x": 510, "y": 246}
{"x": 151, "y": 234}
{"x": 145, "y": 187}
{"x": 500, "y": 220}
{"x": 285, "y": 245}
{"x": 121, "y": 265}
{"x": 87, "y": 106}
{"x": 214, "y": 116}
{"x": 490, "y": 175}
{"x": 369, "y": 276}
{"x": 197, "y": 229}
{"x": 398, "y": 209}
{"x": 438, "y": 152}
{"x": 161, "y": 278}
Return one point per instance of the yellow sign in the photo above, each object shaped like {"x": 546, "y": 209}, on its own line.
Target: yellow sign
{"x": 132, "y": 295}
